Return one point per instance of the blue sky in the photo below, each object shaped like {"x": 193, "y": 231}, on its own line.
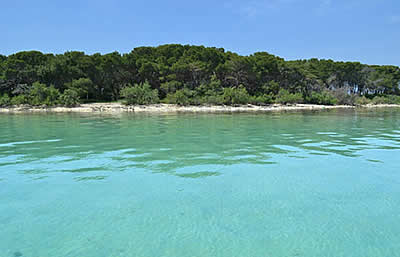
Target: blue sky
{"x": 350, "y": 30}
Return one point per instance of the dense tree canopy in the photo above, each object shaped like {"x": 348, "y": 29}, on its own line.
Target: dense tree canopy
{"x": 200, "y": 74}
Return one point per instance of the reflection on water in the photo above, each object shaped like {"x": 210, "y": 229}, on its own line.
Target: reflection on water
{"x": 292, "y": 184}
{"x": 67, "y": 143}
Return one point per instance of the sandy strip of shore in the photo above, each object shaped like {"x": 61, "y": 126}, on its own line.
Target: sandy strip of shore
{"x": 171, "y": 108}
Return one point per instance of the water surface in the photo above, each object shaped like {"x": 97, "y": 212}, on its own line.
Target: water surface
{"x": 289, "y": 184}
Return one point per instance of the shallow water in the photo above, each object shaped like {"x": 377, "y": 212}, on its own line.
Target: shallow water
{"x": 290, "y": 184}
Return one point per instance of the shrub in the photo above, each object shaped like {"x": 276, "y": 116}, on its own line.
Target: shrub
{"x": 261, "y": 100}
{"x": 179, "y": 97}
{"x": 324, "y": 98}
{"x": 5, "y": 100}
{"x": 390, "y": 99}
{"x": 69, "y": 98}
{"x": 362, "y": 101}
{"x": 235, "y": 95}
{"x": 271, "y": 87}
{"x": 140, "y": 94}
{"x": 216, "y": 99}
{"x": 37, "y": 94}
{"x": 393, "y": 99}
{"x": 81, "y": 86}
{"x": 53, "y": 96}
{"x": 210, "y": 93}
{"x": 19, "y": 99}
{"x": 284, "y": 97}
{"x": 195, "y": 100}
{"x": 210, "y": 89}
{"x": 379, "y": 100}
{"x": 41, "y": 94}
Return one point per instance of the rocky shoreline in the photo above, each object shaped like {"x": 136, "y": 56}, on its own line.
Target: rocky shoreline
{"x": 171, "y": 108}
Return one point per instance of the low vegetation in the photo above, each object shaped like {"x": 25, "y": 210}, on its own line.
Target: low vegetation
{"x": 140, "y": 94}
{"x": 41, "y": 95}
{"x": 69, "y": 98}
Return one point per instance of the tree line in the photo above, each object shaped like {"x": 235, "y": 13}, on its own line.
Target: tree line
{"x": 184, "y": 74}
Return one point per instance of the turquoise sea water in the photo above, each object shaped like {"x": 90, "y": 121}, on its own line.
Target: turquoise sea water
{"x": 245, "y": 185}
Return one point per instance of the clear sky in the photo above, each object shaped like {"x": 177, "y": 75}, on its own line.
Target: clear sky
{"x": 349, "y": 30}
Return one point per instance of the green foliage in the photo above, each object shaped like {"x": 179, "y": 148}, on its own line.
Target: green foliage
{"x": 180, "y": 97}
{"x": 140, "y": 94}
{"x": 40, "y": 94}
{"x": 210, "y": 89}
{"x": 284, "y": 97}
{"x": 235, "y": 95}
{"x": 324, "y": 98}
{"x": 69, "y": 98}
{"x": 216, "y": 99}
{"x": 271, "y": 87}
{"x": 82, "y": 85}
{"x": 210, "y": 92}
{"x": 262, "y": 99}
{"x": 362, "y": 100}
{"x": 53, "y": 96}
{"x": 391, "y": 99}
{"x": 5, "y": 100}
{"x": 19, "y": 100}
{"x": 205, "y": 71}
{"x": 170, "y": 86}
